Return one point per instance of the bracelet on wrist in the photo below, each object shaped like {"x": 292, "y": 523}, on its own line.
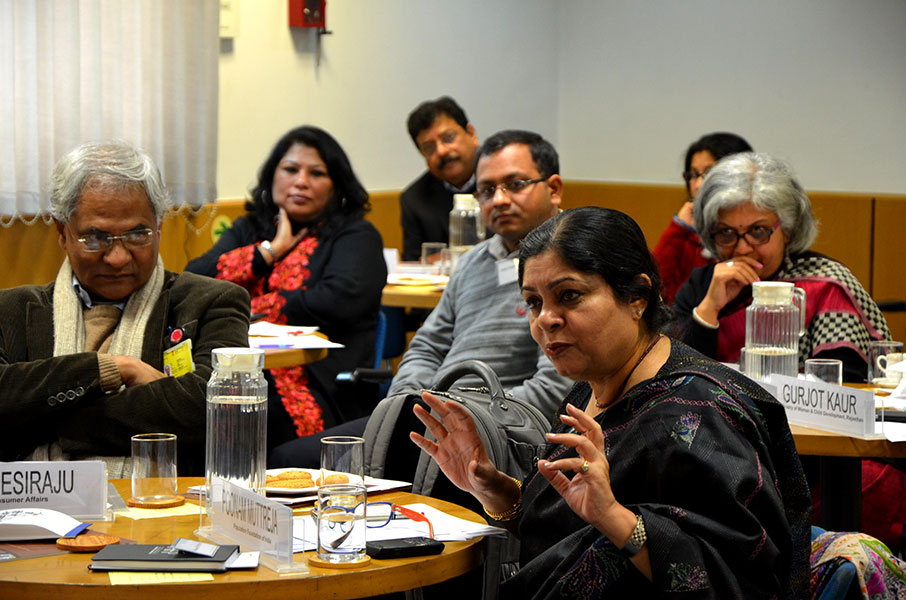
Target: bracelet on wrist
{"x": 512, "y": 512}
{"x": 698, "y": 319}
{"x": 266, "y": 245}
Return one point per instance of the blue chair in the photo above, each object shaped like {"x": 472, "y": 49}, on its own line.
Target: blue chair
{"x": 390, "y": 342}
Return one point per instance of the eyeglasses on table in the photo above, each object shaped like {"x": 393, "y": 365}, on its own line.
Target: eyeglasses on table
{"x": 377, "y": 514}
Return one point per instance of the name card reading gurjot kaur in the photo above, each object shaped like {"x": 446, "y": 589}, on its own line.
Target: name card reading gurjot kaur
{"x": 826, "y": 406}
{"x": 77, "y": 488}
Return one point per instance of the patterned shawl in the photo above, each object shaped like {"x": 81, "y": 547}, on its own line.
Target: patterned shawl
{"x": 839, "y": 312}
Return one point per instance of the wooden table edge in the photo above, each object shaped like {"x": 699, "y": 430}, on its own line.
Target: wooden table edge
{"x": 386, "y": 576}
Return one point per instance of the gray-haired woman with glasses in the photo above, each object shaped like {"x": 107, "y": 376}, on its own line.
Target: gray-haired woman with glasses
{"x": 755, "y": 217}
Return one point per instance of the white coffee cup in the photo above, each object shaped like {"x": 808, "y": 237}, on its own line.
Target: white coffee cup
{"x": 887, "y": 360}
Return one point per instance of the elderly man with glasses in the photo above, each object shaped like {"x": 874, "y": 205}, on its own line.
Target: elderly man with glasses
{"x": 116, "y": 345}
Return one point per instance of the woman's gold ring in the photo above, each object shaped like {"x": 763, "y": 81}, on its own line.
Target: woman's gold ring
{"x": 729, "y": 263}
{"x": 585, "y": 466}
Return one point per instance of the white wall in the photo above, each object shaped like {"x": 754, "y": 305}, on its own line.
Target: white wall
{"x": 382, "y": 59}
{"x": 821, "y": 83}
{"x": 620, "y": 86}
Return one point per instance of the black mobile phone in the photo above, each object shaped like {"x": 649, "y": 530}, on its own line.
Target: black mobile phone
{"x": 413, "y": 546}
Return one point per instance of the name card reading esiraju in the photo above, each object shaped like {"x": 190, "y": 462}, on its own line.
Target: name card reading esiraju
{"x": 77, "y": 488}
{"x": 826, "y": 406}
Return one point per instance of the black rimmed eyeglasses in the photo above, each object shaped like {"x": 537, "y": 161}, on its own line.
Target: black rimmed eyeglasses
{"x": 755, "y": 236}
{"x": 690, "y": 175}
{"x": 102, "y": 242}
{"x": 486, "y": 193}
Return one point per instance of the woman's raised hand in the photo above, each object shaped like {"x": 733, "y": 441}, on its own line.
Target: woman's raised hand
{"x": 729, "y": 278}
{"x": 588, "y": 492}
{"x": 458, "y": 451}
{"x": 284, "y": 240}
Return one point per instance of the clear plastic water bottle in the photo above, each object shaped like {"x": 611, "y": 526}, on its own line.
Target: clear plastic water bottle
{"x": 466, "y": 225}
{"x": 236, "y": 432}
{"x": 774, "y": 323}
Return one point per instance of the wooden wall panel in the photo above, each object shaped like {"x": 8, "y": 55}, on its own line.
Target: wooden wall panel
{"x": 889, "y": 258}
{"x": 870, "y": 243}
{"x": 385, "y": 215}
{"x": 30, "y": 254}
{"x": 844, "y": 230}
{"x": 652, "y": 206}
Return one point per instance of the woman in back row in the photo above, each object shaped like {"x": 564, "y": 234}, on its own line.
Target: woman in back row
{"x": 756, "y": 219}
{"x": 680, "y": 250}
{"x": 308, "y": 257}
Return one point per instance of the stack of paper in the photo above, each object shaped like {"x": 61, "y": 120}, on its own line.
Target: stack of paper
{"x": 447, "y": 528}
{"x": 270, "y": 335}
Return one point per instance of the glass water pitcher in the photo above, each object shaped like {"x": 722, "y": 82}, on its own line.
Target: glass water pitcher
{"x": 774, "y": 323}
{"x": 236, "y": 432}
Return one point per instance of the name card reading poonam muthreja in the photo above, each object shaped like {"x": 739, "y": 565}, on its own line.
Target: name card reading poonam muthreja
{"x": 826, "y": 406}
{"x": 241, "y": 516}
{"x": 77, "y": 488}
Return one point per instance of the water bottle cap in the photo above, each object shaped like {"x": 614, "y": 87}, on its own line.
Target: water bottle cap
{"x": 464, "y": 202}
{"x": 238, "y": 359}
{"x": 772, "y": 292}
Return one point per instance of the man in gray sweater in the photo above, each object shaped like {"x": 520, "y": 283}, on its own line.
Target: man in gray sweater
{"x": 481, "y": 314}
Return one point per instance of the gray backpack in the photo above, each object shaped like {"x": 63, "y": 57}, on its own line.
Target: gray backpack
{"x": 512, "y": 430}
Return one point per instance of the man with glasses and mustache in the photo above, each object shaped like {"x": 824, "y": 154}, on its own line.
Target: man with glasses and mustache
{"x": 116, "y": 345}
{"x": 447, "y": 141}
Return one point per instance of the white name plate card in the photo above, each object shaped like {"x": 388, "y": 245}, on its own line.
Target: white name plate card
{"x": 243, "y": 517}
{"x": 826, "y": 406}
{"x": 77, "y": 488}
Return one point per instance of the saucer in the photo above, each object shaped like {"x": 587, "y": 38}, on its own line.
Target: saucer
{"x": 886, "y": 382}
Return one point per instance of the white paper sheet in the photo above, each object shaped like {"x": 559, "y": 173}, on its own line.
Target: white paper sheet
{"x": 447, "y": 528}
{"x": 292, "y": 341}
{"x": 267, "y": 329}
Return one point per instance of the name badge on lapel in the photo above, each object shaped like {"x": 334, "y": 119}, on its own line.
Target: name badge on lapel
{"x": 507, "y": 271}
{"x": 178, "y": 359}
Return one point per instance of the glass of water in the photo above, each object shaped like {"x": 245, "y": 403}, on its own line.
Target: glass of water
{"x": 342, "y": 460}
{"x": 341, "y": 523}
{"x": 828, "y": 370}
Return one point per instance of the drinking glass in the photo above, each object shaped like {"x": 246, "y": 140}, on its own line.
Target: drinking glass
{"x": 828, "y": 370}
{"x": 342, "y": 460}
{"x": 153, "y": 467}
{"x": 883, "y": 354}
{"x": 341, "y": 523}
{"x": 431, "y": 254}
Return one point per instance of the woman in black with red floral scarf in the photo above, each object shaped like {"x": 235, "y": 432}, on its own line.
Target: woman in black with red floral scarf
{"x": 307, "y": 256}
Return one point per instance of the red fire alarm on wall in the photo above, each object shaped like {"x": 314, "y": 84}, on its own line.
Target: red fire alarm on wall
{"x": 307, "y": 13}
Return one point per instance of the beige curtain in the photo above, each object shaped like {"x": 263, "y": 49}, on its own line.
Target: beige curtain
{"x": 71, "y": 71}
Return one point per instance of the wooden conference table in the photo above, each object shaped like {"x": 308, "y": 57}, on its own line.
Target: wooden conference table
{"x": 276, "y": 358}
{"x": 67, "y": 575}
{"x": 411, "y": 296}
{"x": 840, "y": 465}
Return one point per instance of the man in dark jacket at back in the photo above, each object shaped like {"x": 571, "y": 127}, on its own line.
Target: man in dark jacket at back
{"x": 447, "y": 141}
